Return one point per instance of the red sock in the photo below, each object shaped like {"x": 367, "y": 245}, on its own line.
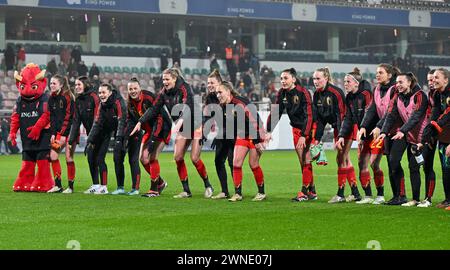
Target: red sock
{"x": 364, "y": 177}
{"x": 201, "y": 169}
{"x": 147, "y": 168}
{"x": 104, "y": 178}
{"x": 259, "y": 176}
{"x": 138, "y": 181}
{"x": 378, "y": 178}
{"x": 70, "y": 170}
{"x": 431, "y": 188}
{"x": 351, "y": 176}
{"x": 307, "y": 175}
{"x": 56, "y": 168}
{"x": 237, "y": 176}
{"x": 402, "y": 186}
{"x": 342, "y": 177}
{"x": 154, "y": 169}
{"x": 182, "y": 171}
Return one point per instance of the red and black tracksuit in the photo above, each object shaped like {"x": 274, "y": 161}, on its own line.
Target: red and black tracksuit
{"x": 223, "y": 144}
{"x": 110, "y": 120}
{"x": 398, "y": 147}
{"x": 32, "y": 117}
{"x": 374, "y": 118}
{"x": 356, "y": 106}
{"x": 248, "y": 134}
{"x": 329, "y": 104}
{"x": 298, "y": 104}
{"x": 179, "y": 101}
{"x": 439, "y": 128}
{"x": 158, "y": 131}
{"x": 86, "y": 107}
{"x": 61, "y": 108}
{"x": 430, "y": 149}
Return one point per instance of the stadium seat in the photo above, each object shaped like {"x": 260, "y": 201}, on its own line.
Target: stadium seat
{"x": 126, "y": 70}
{"x": 8, "y": 80}
{"x": 144, "y": 70}
{"x": 135, "y": 70}
{"x": 152, "y": 70}
{"x": 108, "y": 69}
{"x": 117, "y": 69}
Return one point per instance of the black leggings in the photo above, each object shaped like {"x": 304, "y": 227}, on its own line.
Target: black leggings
{"x": 224, "y": 150}
{"x": 96, "y": 158}
{"x": 430, "y": 176}
{"x": 397, "y": 148}
{"x": 445, "y": 169}
{"x": 134, "y": 145}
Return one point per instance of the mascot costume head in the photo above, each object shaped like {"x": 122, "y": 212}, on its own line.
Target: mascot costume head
{"x": 31, "y": 82}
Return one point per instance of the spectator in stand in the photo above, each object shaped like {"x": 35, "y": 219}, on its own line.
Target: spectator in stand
{"x": 10, "y": 58}
{"x": 213, "y": 63}
{"x": 82, "y": 69}
{"x": 244, "y": 63}
{"x": 111, "y": 82}
{"x": 64, "y": 56}
{"x": 241, "y": 89}
{"x": 163, "y": 60}
{"x": 94, "y": 71}
{"x": 20, "y": 57}
{"x": 72, "y": 69}
{"x": 254, "y": 95}
{"x": 232, "y": 70}
{"x": 76, "y": 54}
{"x": 175, "y": 45}
{"x": 52, "y": 68}
{"x": 95, "y": 83}
{"x": 62, "y": 70}
{"x": 254, "y": 64}
{"x": 272, "y": 92}
{"x": 202, "y": 88}
{"x": 247, "y": 81}
{"x": 4, "y": 135}
{"x": 264, "y": 76}
{"x": 271, "y": 75}
{"x": 252, "y": 75}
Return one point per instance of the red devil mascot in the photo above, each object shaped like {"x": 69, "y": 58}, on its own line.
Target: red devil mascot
{"x": 32, "y": 117}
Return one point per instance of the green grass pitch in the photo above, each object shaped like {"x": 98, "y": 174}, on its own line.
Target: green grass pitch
{"x": 50, "y": 221}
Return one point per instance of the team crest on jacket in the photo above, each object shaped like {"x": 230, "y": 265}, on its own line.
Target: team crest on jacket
{"x": 295, "y": 99}
{"x": 329, "y": 102}
{"x": 447, "y": 101}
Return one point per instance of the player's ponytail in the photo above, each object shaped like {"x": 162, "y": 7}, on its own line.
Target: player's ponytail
{"x": 356, "y": 74}
{"x": 216, "y": 74}
{"x": 293, "y": 73}
{"x": 326, "y": 73}
{"x": 411, "y": 78}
